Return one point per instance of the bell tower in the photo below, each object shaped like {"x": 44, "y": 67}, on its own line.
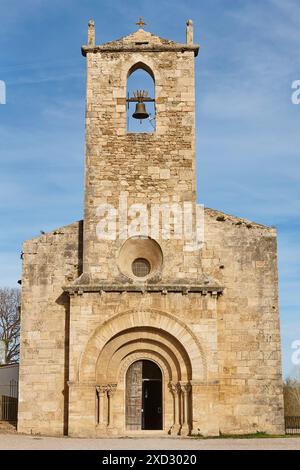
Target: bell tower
{"x": 142, "y": 167}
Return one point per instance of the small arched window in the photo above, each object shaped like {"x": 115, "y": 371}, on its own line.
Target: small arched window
{"x": 140, "y": 102}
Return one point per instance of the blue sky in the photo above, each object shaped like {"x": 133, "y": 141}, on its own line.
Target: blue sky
{"x": 248, "y": 135}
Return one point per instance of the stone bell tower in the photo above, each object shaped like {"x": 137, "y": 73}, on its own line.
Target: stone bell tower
{"x": 128, "y": 324}
{"x": 146, "y": 168}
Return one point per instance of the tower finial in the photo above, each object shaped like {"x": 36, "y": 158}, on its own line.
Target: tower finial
{"x": 91, "y": 33}
{"x": 189, "y": 32}
{"x": 141, "y": 23}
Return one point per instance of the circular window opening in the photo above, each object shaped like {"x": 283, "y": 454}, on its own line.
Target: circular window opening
{"x": 141, "y": 267}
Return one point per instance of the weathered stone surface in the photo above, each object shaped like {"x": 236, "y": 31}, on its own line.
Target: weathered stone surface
{"x": 208, "y": 318}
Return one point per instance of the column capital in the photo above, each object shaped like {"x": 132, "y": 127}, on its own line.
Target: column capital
{"x": 185, "y": 387}
{"x": 174, "y": 388}
{"x": 102, "y": 389}
{"x": 111, "y": 388}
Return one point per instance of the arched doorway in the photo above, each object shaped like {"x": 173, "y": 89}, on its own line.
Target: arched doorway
{"x": 144, "y": 407}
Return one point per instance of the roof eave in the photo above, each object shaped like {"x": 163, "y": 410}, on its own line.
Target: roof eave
{"x": 141, "y": 48}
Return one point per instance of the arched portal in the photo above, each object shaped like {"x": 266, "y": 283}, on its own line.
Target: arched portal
{"x": 183, "y": 344}
{"x": 163, "y": 350}
{"x": 144, "y": 396}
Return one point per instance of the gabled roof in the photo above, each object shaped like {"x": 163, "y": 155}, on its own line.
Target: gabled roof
{"x": 141, "y": 40}
{"x": 141, "y": 36}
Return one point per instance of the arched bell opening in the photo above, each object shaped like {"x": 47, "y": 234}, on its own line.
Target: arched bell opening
{"x": 144, "y": 396}
{"x": 140, "y": 99}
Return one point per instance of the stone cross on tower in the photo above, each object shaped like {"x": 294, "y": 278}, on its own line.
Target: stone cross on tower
{"x": 141, "y": 23}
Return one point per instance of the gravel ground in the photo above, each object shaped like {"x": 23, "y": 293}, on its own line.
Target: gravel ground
{"x": 20, "y": 442}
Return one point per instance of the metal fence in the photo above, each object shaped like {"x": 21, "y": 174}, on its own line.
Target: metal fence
{"x": 9, "y": 402}
{"x": 8, "y": 409}
{"x": 292, "y": 424}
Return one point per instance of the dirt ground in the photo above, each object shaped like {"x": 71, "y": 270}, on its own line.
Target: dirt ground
{"x": 7, "y": 428}
{"x": 10, "y": 440}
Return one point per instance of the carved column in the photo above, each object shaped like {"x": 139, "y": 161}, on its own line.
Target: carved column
{"x": 175, "y": 390}
{"x": 111, "y": 388}
{"x": 102, "y": 402}
{"x": 185, "y": 418}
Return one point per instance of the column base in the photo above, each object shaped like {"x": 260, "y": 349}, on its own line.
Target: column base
{"x": 101, "y": 426}
{"x": 185, "y": 430}
{"x": 175, "y": 430}
{"x": 112, "y": 431}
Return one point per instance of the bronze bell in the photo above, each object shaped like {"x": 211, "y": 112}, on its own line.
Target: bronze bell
{"x": 140, "y": 111}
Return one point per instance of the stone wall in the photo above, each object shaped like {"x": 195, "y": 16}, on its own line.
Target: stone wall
{"x": 49, "y": 262}
{"x": 242, "y": 256}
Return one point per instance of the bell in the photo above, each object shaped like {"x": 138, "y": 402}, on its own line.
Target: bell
{"x": 140, "y": 111}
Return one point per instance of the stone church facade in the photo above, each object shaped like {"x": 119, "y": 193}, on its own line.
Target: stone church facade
{"x": 138, "y": 333}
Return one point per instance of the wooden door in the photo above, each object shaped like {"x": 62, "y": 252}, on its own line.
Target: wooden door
{"x": 134, "y": 385}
